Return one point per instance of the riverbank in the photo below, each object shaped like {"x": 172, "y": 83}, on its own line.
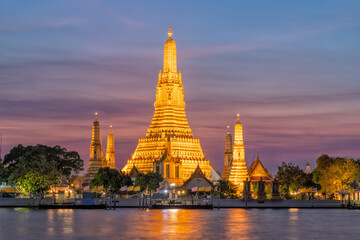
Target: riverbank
{"x": 134, "y": 203}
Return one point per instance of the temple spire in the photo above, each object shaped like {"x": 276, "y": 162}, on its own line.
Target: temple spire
{"x": 170, "y": 32}
{"x": 238, "y": 138}
{"x": 238, "y": 172}
{"x": 97, "y": 159}
{"x": 170, "y": 64}
{"x": 228, "y": 154}
{"x": 110, "y": 150}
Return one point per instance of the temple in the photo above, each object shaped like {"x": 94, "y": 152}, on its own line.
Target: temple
{"x": 258, "y": 172}
{"x": 110, "y": 150}
{"x": 97, "y": 159}
{"x": 238, "y": 170}
{"x": 228, "y": 154}
{"x": 234, "y": 161}
{"x": 169, "y": 147}
{"x": 307, "y": 168}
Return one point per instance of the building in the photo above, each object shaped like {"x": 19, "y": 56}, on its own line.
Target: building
{"x": 257, "y": 171}
{"x": 308, "y": 169}
{"x": 238, "y": 170}
{"x": 198, "y": 180}
{"x": 228, "y": 154}
{"x": 169, "y": 147}
{"x": 110, "y": 150}
{"x": 97, "y": 159}
{"x": 235, "y": 169}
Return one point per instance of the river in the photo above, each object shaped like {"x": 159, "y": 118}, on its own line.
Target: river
{"x": 22, "y": 223}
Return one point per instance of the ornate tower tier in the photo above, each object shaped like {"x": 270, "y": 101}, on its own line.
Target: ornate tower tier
{"x": 169, "y": 147}
{"x": 110, "y": 150}
{"x": 238, "y": 172}
{"x": 97, "y": 159}
{"x": 228, "y": 154}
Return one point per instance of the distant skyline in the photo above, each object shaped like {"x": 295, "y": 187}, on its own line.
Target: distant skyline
{"x": 291, "y": 69}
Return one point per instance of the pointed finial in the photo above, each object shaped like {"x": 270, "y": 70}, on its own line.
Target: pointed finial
{"x": 110, "y": 128}
{"x": 228, "y": 129}
{"x": 170, "y": 32}
{"x": 238, "y": 117}
{"x": 96, "y": 116}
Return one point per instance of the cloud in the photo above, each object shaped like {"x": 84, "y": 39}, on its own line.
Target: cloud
{"x": 41, "y": 24}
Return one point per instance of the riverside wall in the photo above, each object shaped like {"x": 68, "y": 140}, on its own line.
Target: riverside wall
{"x": 133, "y": 203}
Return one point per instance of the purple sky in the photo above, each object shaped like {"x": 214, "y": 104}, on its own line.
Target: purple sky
{"x": 292, "y": 71}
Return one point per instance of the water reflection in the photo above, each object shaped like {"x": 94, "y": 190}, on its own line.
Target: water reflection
{"x": 179, "y": 224}
{"x": 293, "y": 223}
{"x": 237, "y": 221}
{"x": 61, "y": 219}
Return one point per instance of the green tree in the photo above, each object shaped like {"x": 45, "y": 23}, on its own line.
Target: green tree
{"x": 322, "y": 164}
{"x": 150, "y": 180}
{"x": 226, "y": 189}
{"x": 36, "y": 183}
{"x": 110, "y": 179}
{"x": 51, "y": 163}
{"x": 339, "y": 175}
{"x": 290, "y": 178}
{"x": 335, "y": 174}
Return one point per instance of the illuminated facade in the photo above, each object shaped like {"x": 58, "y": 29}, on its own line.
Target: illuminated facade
{"x": 110, "y": 150}
{"x": 169, "y": 147}
{"x": 257, "y": 171}
{"x": 238, "y": 170}
{"x": 97, "y": 159}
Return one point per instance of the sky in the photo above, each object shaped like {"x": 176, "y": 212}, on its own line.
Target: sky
{"x": 290, "y": 68}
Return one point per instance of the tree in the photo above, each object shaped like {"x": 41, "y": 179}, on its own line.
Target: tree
{"x": 226, "y": 189}
{"x": 339, "y": 175}
{"x": 290, "y": 178}
{"x": 49, "y": 163}
{"x": 110, "y": 179}
{"x": 148, "y": 180}
{"x": 322, "y": 164}
{"x": 3, "y": 175}
{"x": 335, "y": 174}
{"x": 36, "y": 183}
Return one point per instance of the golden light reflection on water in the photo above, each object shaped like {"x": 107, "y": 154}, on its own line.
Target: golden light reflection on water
{"x": 178, "y": 224}
{"x": 293, "y": 223}
{"x": 194, "y": 224}
{"x": 237, "y": 221}
{"x": 51, "y": 222}
{"x": 62, "y": 218}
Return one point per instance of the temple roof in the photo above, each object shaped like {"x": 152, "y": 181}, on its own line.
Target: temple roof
{"x": 133, "y": 172}
{"x": 197, "y": 174}
{"x": 257, "y": 170}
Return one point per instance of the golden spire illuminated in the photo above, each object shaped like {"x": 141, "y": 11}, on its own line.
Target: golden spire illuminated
{"x": 169, "y": 147}
{"x": 97, "y": 159}
{"x": 170, "y": 65}
{"x": 110, "y": 150}
{"x": 238, "y": 172}
{"x": 170, "y": 32}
